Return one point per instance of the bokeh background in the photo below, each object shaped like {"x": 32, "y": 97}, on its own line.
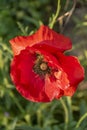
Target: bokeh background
{"x": 23, "y": 17}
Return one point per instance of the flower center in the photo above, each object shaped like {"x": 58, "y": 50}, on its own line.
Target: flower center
{"x": 41, "y": 67}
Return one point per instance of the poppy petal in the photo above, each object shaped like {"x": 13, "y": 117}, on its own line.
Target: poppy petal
{"x": 44, "y": 38}
{"x": 52, "y": 89}
{"x": 70, "y": 91}
{"x": 28, "y": 84}
{"x": 73, "y": 69}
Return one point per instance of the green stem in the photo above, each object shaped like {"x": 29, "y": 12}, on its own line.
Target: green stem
{"x": 66, "y": 113}
{"x": 81, "y": 119}
{"x": 56, "y": 15}
{"x": 69, "y": 103}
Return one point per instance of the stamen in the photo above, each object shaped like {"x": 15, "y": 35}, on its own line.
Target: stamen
{"x": 41, "y": 67}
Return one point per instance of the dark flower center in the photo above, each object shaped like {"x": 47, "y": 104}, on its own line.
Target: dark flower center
{"x": 41, "y": 67}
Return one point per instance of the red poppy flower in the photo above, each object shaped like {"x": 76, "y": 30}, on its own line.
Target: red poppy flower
{"x": 40, "y": 70}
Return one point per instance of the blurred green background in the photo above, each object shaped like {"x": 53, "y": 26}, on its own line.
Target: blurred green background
{"x": 23, "y": 17}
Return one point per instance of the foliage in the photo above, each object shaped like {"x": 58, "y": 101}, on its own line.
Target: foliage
{"x": 20, "y": 18}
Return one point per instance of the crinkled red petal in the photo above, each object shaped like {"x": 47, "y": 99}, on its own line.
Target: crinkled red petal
{"x": 70, "y": 91}
{"x": 29, "y": 84}
{"x": 44, "y": 38}
{"x": 74, "y": 70}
